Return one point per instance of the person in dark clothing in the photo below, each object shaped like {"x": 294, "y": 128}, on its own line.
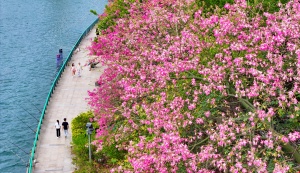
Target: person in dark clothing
{"x": 65, "y": 125}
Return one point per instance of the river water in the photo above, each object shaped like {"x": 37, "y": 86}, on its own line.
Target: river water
{"x": 31, "y": 33}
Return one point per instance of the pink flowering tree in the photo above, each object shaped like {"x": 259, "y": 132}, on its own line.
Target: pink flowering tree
{"x": 187, "y": 91}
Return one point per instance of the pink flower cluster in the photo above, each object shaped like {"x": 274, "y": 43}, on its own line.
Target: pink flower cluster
{"x": 199, "y": 92}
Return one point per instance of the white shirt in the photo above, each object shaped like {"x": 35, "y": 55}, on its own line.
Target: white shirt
{"x": 57, "y": 125}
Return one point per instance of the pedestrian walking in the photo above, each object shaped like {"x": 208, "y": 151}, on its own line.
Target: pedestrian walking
{"x": 73, "y": 69}
{"x": 57, "y": 127}
{"x": 79, "y": 69}
{"x": 65, "y": 125}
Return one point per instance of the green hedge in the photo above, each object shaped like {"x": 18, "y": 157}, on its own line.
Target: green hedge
{"x": 102, "y": 160}
{"x": 80, "y": 144}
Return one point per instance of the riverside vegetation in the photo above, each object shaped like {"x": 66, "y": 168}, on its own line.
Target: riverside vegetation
{"x": 197, "y": 86}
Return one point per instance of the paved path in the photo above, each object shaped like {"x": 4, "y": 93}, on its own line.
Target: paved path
{"x": 68, "y": 100}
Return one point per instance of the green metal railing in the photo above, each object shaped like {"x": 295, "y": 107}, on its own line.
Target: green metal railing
{"x": 29, "y": 169}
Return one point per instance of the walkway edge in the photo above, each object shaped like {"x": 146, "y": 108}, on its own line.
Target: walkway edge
{"x": 31, "y": 159}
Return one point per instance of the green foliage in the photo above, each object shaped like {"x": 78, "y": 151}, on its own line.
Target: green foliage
{"x": 94, "y": 12}
{"x": 116, "y": 10}
{"x": 268, "y": 5}
{"x": 213, "y": 3}
{"x": 101, "y": 160}
{"x": 78, "y": 125}
{"x": 80, "y": 143}
{"x": 112, "y": 154}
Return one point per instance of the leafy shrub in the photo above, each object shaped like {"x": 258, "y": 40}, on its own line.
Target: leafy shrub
{"x": 267, "y": 5}
{"x": 101, "y": 160}
{"x": 113, "y": 11}
{"x": 80, "y": 143}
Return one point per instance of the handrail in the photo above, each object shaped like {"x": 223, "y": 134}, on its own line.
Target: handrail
{"x": 29, "y": 169}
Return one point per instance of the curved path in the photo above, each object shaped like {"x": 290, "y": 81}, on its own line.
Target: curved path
{"x": 68, "y": 100}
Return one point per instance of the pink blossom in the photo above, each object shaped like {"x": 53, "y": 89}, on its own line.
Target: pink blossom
{"x": 199, "y": 121}
{"x": 294, "y": 136}
{"x": 161, "y": 63}
{"x": 207, "y": 113}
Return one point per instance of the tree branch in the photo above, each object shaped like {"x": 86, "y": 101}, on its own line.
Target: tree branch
{"x": 287, "y": 147}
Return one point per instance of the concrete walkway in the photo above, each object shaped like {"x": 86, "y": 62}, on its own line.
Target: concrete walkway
{"x": 68, "y": 100}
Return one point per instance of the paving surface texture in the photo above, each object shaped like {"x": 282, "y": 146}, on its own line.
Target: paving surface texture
{"x": 68, "y": 100}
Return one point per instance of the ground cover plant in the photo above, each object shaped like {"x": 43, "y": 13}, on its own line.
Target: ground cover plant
{"x": 80, "y": 148}
{"x": 102, "y": 160}
{"x": 192, "y": 90}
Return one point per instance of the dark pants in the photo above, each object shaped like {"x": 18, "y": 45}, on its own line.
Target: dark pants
{"x": 58, "y": 132}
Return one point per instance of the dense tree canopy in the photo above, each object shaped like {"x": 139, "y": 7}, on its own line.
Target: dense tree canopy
{"x": 192, "y": 90}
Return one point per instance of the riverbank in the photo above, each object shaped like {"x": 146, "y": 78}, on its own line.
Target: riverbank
{"x": 67, "y": 101}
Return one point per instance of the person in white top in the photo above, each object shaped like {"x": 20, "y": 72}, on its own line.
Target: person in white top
{"x": 79, "y": 69}
{"x": 57, "y": 127}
